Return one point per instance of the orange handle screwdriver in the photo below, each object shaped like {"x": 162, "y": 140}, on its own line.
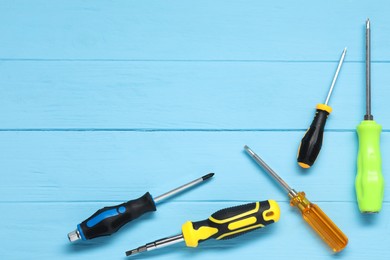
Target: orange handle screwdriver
{"x": 311, "y": 213}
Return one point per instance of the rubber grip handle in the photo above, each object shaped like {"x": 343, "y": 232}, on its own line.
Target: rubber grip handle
{"x": 108, "y": 220}
{"x": 312, "y": 140}
{"x": 320, "y": 222}
{"x": 369, "y": 181}
{"x": 231, "y": 222}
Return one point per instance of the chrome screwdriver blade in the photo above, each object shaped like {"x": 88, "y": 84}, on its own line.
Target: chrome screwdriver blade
{"x": 183, "y": 187}
{"x": 269, "y": 170}
{"x": 368, "y": 115}
{"x": 156, "y": 244}
{"x": 336, "y": 75}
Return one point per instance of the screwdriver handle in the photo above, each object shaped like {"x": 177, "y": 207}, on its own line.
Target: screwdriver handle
{"x": 108, "y": 220}
{"x": 320, "y": 222}
{"x": 369, "y": 181}
{"x": 312, "y": 140}
{"x": 231, "y": 222}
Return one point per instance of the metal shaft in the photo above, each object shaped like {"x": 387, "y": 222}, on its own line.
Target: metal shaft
{"x": 336, "y": 75}
{"x": 368, "y": 115}
{"x": 269, "y": 170}
{"x": 183, "y": 187}
{"x": 157, "y": 244}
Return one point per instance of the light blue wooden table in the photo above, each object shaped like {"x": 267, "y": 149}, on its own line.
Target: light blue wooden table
{"x": 102, "y": 101}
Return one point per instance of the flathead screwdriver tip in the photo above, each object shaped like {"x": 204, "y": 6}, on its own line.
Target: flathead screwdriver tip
{"x": 136, "y": 251}
{"x": 368, "y": 23}
{"x": 208, "y": 176}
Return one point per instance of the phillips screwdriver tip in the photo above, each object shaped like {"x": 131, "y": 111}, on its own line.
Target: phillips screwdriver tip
{"x": 208, "y": 176}
{"x": 368, "y": 23}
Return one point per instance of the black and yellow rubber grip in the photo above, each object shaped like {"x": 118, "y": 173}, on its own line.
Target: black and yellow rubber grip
{"x": 231, "y": 222}
{"x": 312, "y": 140}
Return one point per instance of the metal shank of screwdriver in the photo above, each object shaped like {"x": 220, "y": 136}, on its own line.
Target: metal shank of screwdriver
{"x": 183, "y": 187}
{"x": 368, "y": 115}
{"x": 157, "y": 244}
{"x": 270, "y": 171}
{"x": 335, "y": 76}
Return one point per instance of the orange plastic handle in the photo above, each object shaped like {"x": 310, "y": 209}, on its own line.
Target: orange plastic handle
{"x": 320, "y": 222}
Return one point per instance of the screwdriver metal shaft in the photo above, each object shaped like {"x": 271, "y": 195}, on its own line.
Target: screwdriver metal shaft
{"x": 157, "y": 244}
{"x": 269, "y": 170}
{"x": 182, "y": 188}
{"x": 368, "y": 115}
{"x": 336, "y": 75}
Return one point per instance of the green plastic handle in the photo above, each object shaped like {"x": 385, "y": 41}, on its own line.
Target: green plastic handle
{"x": 369, "y": 182}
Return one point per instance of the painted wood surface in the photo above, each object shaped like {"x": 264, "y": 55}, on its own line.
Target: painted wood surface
{"x": 185, "y": 95}
{"x": 102, "y": 101}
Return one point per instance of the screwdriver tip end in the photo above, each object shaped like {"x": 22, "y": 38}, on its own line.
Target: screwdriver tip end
{"x": 137, "y": 250}
{"x": 208, "y": 176}
{"x": 131, "y": 252}
{"x": 368, "y": 23}
{"x": 249, "y": 150}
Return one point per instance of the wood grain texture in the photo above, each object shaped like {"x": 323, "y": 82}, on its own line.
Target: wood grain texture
{"x": 102, "y": 101}
{"x": 106, "y": 166}
{"x": 191, "y": 30}
{"x": 185, "y": 95}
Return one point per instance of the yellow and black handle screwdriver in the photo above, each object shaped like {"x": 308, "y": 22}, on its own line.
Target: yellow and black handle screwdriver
{"x": 223, "y": 224}
{"x": 109, "y": 220}
{"x": 312, "y": 140}
{"x": 369, "y": 182}
{"x": 311, "y": 213}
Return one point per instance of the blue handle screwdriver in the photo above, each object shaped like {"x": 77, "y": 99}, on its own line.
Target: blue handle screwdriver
{"x": 109, "y": 220}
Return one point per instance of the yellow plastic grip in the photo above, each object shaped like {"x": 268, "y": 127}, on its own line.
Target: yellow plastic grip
{"x": 231, "y": 222}
{"x": 320, "y": 222}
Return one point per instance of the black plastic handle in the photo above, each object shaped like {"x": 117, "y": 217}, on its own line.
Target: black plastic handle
{"x": 108, "y": 220}
{"x": 312, "y": 141}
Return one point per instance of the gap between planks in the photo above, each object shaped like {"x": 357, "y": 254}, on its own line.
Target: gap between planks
{"x": 164, "y": 130}
{"x": 184, "y": 60}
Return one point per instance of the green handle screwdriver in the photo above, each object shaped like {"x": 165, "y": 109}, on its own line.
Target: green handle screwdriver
{"x": 369, "y": 182}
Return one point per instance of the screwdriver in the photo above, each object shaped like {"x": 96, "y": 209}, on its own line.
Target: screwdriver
{"x": 369, "y": 182}
{"x": 311, "y": 213}
{"x": 312, "y": 140}
{"x": 223, "y": 224}
{"x": 108, "y": 220}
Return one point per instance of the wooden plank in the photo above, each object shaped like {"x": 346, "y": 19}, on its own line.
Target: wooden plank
{"x": 117, "y": 166}
{"x": 192, "y": 30}
{"x": 39, "y": 230}
{"x": 184, "y": 95}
